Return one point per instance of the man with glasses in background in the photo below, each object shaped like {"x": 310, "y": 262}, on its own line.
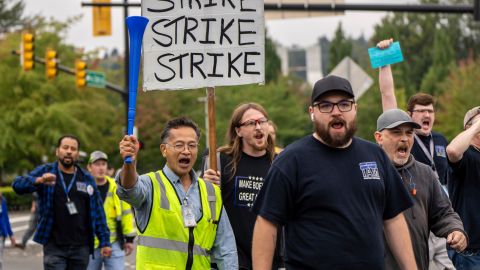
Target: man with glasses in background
{"x": 335, "y": 194}
{"x": 429, "y": 147}
{"x": 244, "y": 164}
{"x": 180, "y": 217}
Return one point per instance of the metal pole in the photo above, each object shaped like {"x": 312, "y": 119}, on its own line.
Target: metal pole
{"x": 427, "y": 8}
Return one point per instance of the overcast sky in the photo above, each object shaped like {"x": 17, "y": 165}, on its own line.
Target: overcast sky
{"x": 302, "y": 32}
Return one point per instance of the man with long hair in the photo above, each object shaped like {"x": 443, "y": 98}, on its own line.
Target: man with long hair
{"x": 245, "y": 161}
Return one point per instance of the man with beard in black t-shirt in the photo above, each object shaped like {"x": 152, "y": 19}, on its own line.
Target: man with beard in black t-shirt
{"x": 245, "y": 161}
{"x": 334, "y": 193}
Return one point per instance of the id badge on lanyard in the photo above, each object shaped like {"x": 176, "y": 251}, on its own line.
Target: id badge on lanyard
{"x": 72, "y": 209}
{"x": 188, "y": 215}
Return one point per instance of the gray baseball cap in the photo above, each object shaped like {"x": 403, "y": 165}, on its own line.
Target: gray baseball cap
{"x": 97, "y": 155}
{"x": 394, "y": 118}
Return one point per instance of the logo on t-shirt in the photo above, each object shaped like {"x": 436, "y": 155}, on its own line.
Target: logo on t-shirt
{"x": 369, "y": 170}
{"x": 246, "y": 190}
{"x": 440, "y": 151}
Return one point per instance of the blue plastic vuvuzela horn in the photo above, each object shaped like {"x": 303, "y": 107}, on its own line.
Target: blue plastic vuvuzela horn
{"x": 136, "y": 27}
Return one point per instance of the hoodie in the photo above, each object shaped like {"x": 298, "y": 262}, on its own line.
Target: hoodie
{"x": 432, "y": 211}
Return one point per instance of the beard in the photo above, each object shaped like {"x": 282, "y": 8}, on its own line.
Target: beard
{"x": 339, "y": 140}
{"x": 67, "y": 163}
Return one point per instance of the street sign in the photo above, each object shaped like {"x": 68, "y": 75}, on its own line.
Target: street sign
{"x": 351, "y": 71}
{"x": 96, "y": 79}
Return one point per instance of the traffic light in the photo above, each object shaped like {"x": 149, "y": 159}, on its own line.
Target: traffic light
{"x": 102, "y": 22}
{"x": 80, "y": 73}
{"x": 28, "y": 51}
{"x": 50, "y": 64}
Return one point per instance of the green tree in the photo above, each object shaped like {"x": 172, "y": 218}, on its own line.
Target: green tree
{"x": 443, "y": 58}
{"x": 460, "y": 93}
{"x": 35, "y": 112}
{"x": 11, "y": 15}
{"x": 340, "y": 47}
{"x": 273, "y": 64}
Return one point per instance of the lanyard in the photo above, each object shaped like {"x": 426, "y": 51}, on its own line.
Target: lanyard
{"x": 67, "y": 190}
{"x": 424, "y": 149}
{"x": 429, "y": 155}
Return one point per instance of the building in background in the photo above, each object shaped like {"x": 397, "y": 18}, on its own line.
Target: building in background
{"x": 309, "y": 63}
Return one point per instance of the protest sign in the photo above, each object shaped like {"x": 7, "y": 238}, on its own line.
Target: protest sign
{"x": 202, "y": 43}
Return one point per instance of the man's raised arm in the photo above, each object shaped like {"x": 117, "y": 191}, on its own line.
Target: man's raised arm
{"x": 385, "y": 80}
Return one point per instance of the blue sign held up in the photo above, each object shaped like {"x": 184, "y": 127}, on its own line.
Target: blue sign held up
{"x": 382, "y": 57}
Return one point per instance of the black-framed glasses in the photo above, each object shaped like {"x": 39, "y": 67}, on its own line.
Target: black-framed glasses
{"x": 327, "y": 106}
{"x": 179, "y": 147}
{"x": 252, "y": 123}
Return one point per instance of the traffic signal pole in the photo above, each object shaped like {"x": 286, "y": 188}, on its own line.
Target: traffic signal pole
{"x": 308, "y": 7}
{"x": 109, "y": 86}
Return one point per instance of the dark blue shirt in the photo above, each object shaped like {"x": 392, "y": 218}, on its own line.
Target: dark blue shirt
{"x": 464, "y": 190}
{"x": 26, "y": 184}
{"x": 439, "y": 154}
{"x": 333, "y": 203}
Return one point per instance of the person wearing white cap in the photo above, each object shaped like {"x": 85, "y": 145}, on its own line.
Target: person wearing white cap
{"x": 464, "y": 188}
{"x": 432, "y": 210}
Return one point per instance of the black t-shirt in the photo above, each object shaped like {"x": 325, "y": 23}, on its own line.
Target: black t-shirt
{"x": 333, "y": 203}
{"x": 71, "y": 230}
{"x": 238, "y": 194}
{"x": 439, "y": 154}
{"x": 464, "y": 190}
{"x": 103, "y": 190}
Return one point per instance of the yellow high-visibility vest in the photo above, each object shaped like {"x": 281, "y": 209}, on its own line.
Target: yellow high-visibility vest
{"x": 116, "y": 211}
{"x": 166, "y": 243}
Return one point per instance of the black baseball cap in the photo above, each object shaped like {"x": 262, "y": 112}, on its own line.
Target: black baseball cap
{"x": 331, "y": 83}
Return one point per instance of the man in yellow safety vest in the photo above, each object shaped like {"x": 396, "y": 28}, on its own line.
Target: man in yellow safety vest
{"x": 180, "y": 217}
{"x": 118, "y": 214}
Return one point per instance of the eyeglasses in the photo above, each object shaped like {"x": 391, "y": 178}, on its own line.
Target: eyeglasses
{"x": 430, "y": 111}
{"x": 253, "y": 123}
{"x": 327, "y": 107}
{"x": 179, "y": 147}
